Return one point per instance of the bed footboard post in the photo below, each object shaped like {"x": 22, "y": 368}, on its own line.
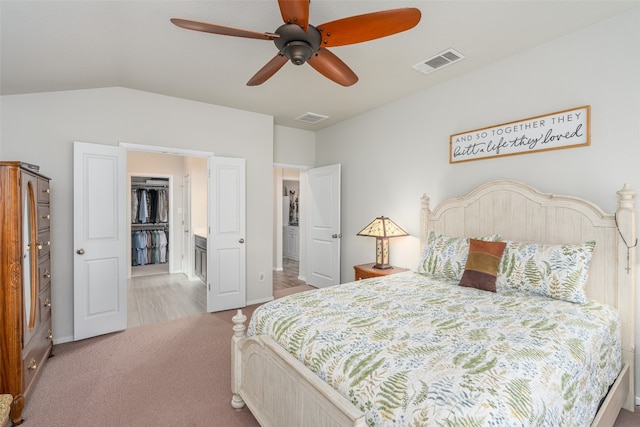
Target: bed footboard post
{"x": 236, "y": 358}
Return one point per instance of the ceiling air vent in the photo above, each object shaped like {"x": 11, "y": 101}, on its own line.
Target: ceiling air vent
{"x": 438, "y": 61}
{"x": 311, "y": 118}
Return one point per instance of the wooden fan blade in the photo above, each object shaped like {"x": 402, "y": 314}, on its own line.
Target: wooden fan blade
{"x": 295, "y": 12}
{"x": 268, "y": 70}
{"x": 370, "y": 26}
{"x": 332, "y": 67}
{"x": 222, "y": 30}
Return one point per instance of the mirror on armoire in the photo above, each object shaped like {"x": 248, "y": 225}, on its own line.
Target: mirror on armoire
{"x": 30, "y": 258}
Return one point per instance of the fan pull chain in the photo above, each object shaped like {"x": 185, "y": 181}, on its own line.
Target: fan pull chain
{"x": 626, "y": 244}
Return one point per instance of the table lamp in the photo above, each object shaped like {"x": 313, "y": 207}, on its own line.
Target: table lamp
{"x": 382, "y": 228}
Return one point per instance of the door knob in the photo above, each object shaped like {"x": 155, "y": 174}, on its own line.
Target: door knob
{"x": 336, "y": 236}
{"x": 80, "y": 251}
{"x": 241, "y": 240}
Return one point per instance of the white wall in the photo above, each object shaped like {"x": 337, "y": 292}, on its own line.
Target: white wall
{"x": 197, "y": 169}
{"x": 294, "y": 146}
{"x": 40, "y": 128}
{"x": 407, "y": 142}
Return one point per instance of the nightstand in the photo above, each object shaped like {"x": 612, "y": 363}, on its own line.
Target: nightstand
{"x": 364, "y": 271}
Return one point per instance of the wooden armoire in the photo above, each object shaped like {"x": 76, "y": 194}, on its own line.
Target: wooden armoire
{"x": 26, "y": 339}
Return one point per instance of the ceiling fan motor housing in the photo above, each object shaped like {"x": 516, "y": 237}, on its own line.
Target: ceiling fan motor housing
{"x": 296, "y": 44}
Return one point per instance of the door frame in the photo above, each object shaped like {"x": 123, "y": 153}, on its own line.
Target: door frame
{"x": 187, "y": 239}
{"x": 278, "y": 223}
{"x": 163, "y": 150}
{"x": 125, "y": 183}
{"x": 210, "y": 156}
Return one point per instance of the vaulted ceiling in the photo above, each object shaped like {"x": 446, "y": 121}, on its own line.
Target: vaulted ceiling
{"x": 65, "y": 45}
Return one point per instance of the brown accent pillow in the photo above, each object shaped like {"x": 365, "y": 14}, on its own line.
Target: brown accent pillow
{"x": 482, "y": 264}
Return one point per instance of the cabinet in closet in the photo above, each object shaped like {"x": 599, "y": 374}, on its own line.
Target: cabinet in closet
{"x": 26, "y": 339}
{"x": 200, "y": 257}
{"x": 290, "y": 242}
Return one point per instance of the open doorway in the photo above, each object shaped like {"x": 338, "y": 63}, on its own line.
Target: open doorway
{"x": 101, "y": 171}
{"x": 165, "y": 216}
{"x": 289, "y": 235}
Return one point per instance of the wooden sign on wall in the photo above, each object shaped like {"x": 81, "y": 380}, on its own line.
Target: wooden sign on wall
{"x": 562, "y": 129}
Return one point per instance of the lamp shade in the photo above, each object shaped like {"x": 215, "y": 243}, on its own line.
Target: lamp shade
{"x": 382, "y": 228}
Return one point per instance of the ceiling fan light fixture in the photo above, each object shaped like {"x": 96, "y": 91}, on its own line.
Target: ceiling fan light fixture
{"x": 299, "y": 41}
{"x": 298, "y": 51}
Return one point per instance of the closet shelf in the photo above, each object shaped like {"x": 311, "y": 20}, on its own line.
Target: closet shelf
{"x": 145, "y": 186}
{"x": 150, "y": 225}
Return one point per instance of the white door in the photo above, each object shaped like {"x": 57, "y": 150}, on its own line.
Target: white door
{"x": 323, "y": 226}
{"x": 187, "y": 244}
{"x": 99, "y": 235}
{"x": 226, "y": 254}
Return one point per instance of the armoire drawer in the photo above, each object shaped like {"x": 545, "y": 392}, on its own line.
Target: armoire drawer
{"x": 44, "y": 272}
{"x": 43, "y": 190}
{"x": 44, "y": 217}
{"x": 36, "y": 353}
{"x": 45, "y": 304}
{"x": 44, "y": 243}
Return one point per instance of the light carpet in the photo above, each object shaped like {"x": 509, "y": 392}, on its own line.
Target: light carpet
{"x": 175, "y": 373}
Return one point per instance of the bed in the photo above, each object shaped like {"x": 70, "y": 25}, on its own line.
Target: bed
{"x": 281, "y": 391}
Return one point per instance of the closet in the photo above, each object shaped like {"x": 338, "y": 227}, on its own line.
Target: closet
{"x": 26, "y": 339}
{"x": 150, "y": 212}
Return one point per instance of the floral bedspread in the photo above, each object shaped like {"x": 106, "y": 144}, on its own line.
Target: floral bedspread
{"x": 409, "y": 350}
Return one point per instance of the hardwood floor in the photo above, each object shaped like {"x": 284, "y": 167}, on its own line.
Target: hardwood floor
{"x": 288, "y": 277}
{"x": 162, "y": 297}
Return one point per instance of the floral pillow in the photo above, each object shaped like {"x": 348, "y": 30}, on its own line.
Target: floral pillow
{"x": 554, "y": 271}
{"x": 445, "y": 256}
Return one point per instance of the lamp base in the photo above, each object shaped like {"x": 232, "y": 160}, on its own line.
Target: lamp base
{"x": 382, "y": 253}
{"x": 382, "y": 266}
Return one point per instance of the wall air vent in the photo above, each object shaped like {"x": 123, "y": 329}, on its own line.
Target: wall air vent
{"x": 438, "y": 61}
{"x": 311, "y": 118}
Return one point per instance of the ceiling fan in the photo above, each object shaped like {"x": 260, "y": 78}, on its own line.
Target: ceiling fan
{"x": 301, "y": 42}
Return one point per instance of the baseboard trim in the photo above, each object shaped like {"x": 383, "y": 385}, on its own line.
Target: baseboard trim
{"x": 62, "y": 340}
